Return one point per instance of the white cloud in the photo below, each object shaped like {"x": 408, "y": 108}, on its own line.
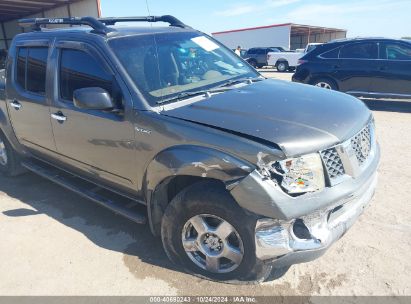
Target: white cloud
{"x": 243, "y": 9}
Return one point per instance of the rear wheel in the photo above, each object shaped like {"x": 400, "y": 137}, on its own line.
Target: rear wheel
{"x": 253, "y": 63}
{"x": 282, "y": 66}
{"x": 325, "y": 84}
{"x": 9, "y": 160}
{"x": 205, "y": 231}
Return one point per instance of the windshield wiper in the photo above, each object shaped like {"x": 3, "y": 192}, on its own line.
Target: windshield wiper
{"x": 184, "y": 95}
{"x": 249, "y": 80}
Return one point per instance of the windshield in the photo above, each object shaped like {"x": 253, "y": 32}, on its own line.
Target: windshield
{"x": 167, "y": 64}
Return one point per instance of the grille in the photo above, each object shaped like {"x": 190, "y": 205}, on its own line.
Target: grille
{"x": 333, "y": 163}
{"x": 361, "y": 144}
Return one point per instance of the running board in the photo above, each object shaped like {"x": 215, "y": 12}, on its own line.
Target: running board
{"x": 121, "y": 205}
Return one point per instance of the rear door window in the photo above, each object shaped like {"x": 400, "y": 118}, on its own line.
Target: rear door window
{"x": 31, "y": 69}
{"x": 396, "y": 51}
{"x": 36, "y": 70}
{"x": 21, "y": 67}
{"x": 360, "y": 51}
{"x": 79, "y": 69}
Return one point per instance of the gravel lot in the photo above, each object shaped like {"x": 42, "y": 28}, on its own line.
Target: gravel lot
{"x": 55, "y": 243}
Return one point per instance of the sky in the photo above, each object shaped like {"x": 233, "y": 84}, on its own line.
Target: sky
{"x": 382, "y": 18}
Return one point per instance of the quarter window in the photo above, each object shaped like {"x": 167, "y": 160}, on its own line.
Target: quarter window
{"x": 394, "y": 51}
{"x": 333, "y": 54}
{"x": 78, "y": 70}
{"x": 31, "y": 69}
{"x": 360, "y": 51}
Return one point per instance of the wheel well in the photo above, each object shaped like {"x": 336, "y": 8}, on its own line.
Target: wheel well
{"x": 164, "y": 194}
{"x": 281, "y": 60}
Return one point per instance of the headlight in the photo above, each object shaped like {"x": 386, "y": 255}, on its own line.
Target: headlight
{"x": 302, "y": 174}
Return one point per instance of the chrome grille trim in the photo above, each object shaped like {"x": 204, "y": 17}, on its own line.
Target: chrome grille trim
{"x": 351, "y": 157}
{"x": 332, "y": 163}
{"x": 361, "y": 144}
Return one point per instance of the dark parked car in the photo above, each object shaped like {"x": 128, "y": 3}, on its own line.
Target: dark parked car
{"x": 236, "y": 173}
{"x": 257, "y": 57}
{"x": 374, "y": 67}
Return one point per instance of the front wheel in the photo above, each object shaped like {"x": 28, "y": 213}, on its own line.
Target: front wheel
{"x": 9, "y": 160}
{"x": 205, "y": 231}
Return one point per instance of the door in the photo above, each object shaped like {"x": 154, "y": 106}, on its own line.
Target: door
{"x": 27, "y": 102}
{"x": 394, "y": 69}
{"x": 99, "y": 143}
{"x": 357, "y": 66}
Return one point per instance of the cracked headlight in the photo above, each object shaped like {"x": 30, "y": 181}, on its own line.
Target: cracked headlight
{"x": 302, "y": 174}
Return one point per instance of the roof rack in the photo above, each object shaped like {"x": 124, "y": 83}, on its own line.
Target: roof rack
{"x": 36, "y": 23}
{"x": 173, "y": 21}
{"x": 99, "y": 25}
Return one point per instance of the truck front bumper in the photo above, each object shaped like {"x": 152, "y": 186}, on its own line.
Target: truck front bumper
{"x": 308, "y": 237}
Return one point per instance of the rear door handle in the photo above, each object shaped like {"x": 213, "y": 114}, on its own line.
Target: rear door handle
{"x": 15, "y": 104}
{"x": 59, "y": 117}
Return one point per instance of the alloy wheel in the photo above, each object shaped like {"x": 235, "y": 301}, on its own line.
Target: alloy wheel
{"x": 281, "y": 67}
{"x": 323, "y": 85}
{"x": 212, "y": 243}
{"x": 3, "y": 154}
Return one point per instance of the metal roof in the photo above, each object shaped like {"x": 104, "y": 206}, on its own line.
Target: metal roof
{"x": 295, "y": 28}
{"x": 15, "y": 9}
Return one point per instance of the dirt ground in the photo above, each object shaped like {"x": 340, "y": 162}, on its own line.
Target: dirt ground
{"x": 52, "y": 242}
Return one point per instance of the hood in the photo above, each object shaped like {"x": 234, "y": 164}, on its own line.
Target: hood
{"x": 298, "y": 118}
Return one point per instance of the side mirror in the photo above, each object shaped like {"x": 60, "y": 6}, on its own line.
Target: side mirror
{"x": 92, "y": 98}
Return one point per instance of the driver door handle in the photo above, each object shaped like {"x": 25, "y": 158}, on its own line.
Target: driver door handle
{"x": 59, "y": 117}
{"x": 15, "y": 104}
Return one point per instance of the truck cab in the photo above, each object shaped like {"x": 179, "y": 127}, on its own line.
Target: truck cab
{"x": 237, "y": 174}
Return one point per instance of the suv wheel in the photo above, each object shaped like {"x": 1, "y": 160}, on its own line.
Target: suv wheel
{"x": 253, "y": 63}
{"x": 9, "y": 160}
{"x": 282, "y": 66}
{"x": 325, "y": 84}
{"x": 205, "y": 231}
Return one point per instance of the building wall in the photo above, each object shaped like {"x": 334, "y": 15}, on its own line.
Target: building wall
{"x": 261, "y": 37}
{"x": 300, "y": 41}
{"x": 78, "y": 9}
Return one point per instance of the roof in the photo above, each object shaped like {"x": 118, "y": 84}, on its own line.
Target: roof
{"x": 252, "y": 28}
{"x": 295, "y": 28}
{"x": 15, "y": 9}
{"x": 120, "y": 31}
{"x": 366, "y": 38}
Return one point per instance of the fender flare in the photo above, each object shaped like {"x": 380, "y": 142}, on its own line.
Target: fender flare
{"x": 7, "y": 130}
{"x": 193, "y": 162}
{"x": 281, "y": 60}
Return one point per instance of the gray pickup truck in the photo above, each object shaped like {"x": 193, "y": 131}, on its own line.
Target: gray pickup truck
{"x": 237, "y": 174}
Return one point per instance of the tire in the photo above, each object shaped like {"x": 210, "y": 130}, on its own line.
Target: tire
{"x": 210, "y": 203}
{"x": 9, "y": 160}
{"x": 282, "y": 66}
{"x": 325, "y": 83}
{"x": 253, "y": 63}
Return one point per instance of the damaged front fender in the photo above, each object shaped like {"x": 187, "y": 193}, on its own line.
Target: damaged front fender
{"x": 192, "y": 163}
